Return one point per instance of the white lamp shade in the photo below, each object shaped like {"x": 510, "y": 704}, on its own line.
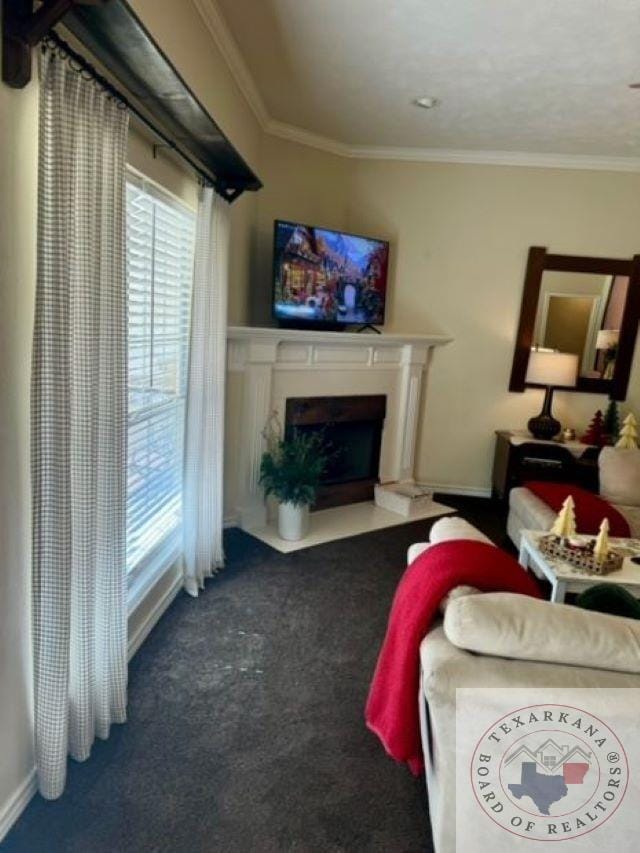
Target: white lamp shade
{"x": 607, "y": 338}
{"x": 559, "y": 369}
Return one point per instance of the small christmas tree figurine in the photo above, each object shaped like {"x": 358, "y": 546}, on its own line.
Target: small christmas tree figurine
{"x": 595, "y": 432}
{"x": 612, "y": 422}
{"x": 628, "y": 433}
{"x": 565, "y": 524}
{"x": 601, "y": 547}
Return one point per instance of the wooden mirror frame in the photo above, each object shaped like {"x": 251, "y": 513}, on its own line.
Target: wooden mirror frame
{"x": 540, "y": 261}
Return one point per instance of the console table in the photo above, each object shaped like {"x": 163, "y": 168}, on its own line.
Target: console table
{"x": 520, "y": 457}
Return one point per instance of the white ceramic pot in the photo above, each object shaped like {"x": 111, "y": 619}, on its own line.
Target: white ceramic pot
{"x": 293, "y": 522}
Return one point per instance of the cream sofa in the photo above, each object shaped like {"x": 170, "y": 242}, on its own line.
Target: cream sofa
{"x": 619, "y": 471}
{"x": 528, "y": 512}
{"x": 506, "y": 640}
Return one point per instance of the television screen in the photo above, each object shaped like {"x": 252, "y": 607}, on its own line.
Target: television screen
{"x": 323, "y": 276}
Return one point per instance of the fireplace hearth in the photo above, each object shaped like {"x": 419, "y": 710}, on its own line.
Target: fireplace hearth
{"x": 351, "y": 426}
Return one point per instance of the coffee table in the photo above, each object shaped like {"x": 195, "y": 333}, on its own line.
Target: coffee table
{"x": 566, "y": 578}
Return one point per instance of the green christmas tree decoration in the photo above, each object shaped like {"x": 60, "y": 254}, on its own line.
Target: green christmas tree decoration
{"x": 595, "y": 431}
{"x": 612, "y": 422}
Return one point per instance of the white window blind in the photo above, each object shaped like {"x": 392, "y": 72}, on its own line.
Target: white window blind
{"x": 160, "y": 239}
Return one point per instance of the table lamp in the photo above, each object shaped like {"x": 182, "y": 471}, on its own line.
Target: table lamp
{"x": 553, "y": 370}
{"x": 607, "y": 340}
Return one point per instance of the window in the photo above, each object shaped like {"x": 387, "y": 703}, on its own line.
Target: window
{"x": 160, "y": 239}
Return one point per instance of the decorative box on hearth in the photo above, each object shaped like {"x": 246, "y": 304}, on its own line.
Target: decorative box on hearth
{"x": 403, "y": 498}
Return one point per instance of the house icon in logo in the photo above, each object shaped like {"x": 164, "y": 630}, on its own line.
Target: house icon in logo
{"x": 550, "y": 756}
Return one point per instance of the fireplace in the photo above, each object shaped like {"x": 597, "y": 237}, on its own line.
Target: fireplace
{"x": 352, "y": 428}
{"x": 267, "y": 367}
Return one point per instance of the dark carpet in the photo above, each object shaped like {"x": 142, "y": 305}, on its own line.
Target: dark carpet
{"x": 245, "y": 728}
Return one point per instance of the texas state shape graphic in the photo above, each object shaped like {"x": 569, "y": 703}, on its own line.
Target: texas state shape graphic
{"x": 543, "y": 790}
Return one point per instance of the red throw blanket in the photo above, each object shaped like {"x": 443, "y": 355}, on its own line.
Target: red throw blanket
{"x": 590, "y": 508}
{"x": 392, "y": 706}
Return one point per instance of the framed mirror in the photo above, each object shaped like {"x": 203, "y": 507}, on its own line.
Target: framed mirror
{"x": 586, "y": 306}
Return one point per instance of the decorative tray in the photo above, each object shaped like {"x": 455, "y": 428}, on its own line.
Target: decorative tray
{"x": 581, "y": 556}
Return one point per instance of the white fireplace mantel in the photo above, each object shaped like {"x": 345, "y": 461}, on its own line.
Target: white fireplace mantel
{"x": 281, "y": 363}
{"x": 269, "y": 334}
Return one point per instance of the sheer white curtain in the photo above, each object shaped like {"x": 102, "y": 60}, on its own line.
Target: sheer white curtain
{"x": 78, "y": 421}
{"x": 204, "y": 428}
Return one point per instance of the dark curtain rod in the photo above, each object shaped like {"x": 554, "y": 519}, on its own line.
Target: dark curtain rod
{"x": 53, "y": 38}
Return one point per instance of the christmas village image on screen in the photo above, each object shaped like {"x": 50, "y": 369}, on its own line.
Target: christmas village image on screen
{"x": 328, "y": 277}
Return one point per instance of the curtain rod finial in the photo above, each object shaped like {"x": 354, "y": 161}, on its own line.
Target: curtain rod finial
{"x": 23, "y": 28}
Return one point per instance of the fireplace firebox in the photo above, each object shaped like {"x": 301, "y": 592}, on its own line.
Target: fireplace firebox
{"x": 352, "y": 429}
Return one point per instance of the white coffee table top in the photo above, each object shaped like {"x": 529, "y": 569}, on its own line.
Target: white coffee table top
{"x": 565, "y": 577}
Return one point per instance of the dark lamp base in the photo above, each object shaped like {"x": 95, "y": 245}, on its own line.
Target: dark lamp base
{"x": 545, "y": 425}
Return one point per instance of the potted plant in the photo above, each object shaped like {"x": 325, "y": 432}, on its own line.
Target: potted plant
{"x": 290, "y": 470}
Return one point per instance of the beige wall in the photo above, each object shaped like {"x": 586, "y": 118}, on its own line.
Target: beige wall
{"x": 179, "y": 30}
{"x": 181, "y": 33}
{"x": 18, "y": 164}
{"x": 460, "y": 236}
{"x": 459, "y": 241}
{"x": 301, "y": 184}
{"x": 165, "y": 169}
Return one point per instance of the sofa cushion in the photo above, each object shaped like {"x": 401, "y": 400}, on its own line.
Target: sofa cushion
{"x": 516, "y": 626}
{"x": 632, "y": 515}
{"x": 620, "y": 475}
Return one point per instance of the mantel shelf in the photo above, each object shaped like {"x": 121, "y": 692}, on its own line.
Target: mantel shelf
{"x": 264, "y": 334}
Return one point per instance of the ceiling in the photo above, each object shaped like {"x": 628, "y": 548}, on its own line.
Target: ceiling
{"x": 543, "y": 76}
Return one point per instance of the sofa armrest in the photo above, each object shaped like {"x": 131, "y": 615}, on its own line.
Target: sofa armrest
{"x": 445, "y": 530}
{"x": 446, "y": 667}
{"x": 525, "y": 503}
{"x": 414, "y": 551}
{"x": 453, "y": 527}
{"x": 523, "y": 628}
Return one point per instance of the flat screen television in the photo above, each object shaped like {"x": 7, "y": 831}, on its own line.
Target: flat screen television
{"x": 327, "y": 279}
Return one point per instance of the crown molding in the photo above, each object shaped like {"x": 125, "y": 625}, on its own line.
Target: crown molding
{"x": 226, "y": 43}
{"x": 479, "y": 157}
{"x": 228, "y": 47}
{"x": 306, "y": 137}
{"x": 528, "y": 159}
